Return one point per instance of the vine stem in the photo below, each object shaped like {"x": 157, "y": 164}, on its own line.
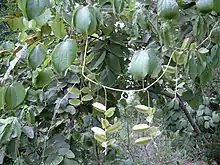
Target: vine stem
{"x": 208, "y": 38}
{"x": 116, "y": 89}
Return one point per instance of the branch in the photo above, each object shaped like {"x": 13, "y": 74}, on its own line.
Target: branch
{"x": 182, "y": 106}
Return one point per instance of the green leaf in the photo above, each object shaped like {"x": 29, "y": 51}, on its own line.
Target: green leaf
{"x": 87, "y": 97}
{"x": 145, "y": 109}
{"x": 110, "y": 112}
{"x": 70, "y": 109}
{"x": 58, "y": 28}
{"x": 37, "y": 56}
{"x": 116, "y": 49}
{"x": 82, "y": 19}
{"x": 99, "y": 61}
{"x": 35, "y": 8}
{"x": 7, "y": 46}
{"x": 67, "y": 161}
{"x": 100, "y": 138}
{"x": 54, "y": 160}
{"x": 99, "y": 107}
{"x": 14, "y": 95}
{"x": 43, "y": 18}
{"x": 64, "y": 54}
{"x": 104, "y": 123}
{"x": 2, "y": 97}
{"x": 22, "y": 6}
{"x": 113, "y": 128}
{"x": 118, "y": 6}
{"x": 140, "y": 127}
{"x": 85, "y": 90}
{"x": 216, "y": 6}
{"x": 113, "y": 63}
{"x": 143, "y": 140}
{"x": 192, "y": 71}
{"x": 74, "y": 91}
{"x": 43, "y": 78}
{"x": 15, "y": 23}
{"x": 29, "y": 131}
{"x": 75, "y": 102}
{"x": 2, "y": 155}
{"x": 98, "y": 130}
{"x": 203, "y": 50}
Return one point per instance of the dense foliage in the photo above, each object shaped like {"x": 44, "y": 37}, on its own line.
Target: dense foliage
{"x": 98, "y": 82}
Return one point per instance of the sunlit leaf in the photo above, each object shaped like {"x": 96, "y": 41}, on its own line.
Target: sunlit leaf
{"x": 64, "y": 54}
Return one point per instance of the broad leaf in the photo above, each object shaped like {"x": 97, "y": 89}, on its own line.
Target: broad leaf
{"x": 98, "y": 130}
{"x": 67, "y": 161}
{"x": 2, "y": 97}
{"x": 82, "y": 19}
{"x": 58, "y": 28}
{"x": 37, "y": 56}
{"x": 43, "y": 78}
{"x": 54, "y": 160}
{"x": 29, "y": 131}
{"x": 64, "y": 54}
{"x": 113, "y": 63}
{"x": 14, "y": 95}
{"x": 35, "y": 8}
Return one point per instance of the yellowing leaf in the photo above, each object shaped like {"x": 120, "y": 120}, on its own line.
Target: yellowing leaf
{"x": 75, "y": 102}
{"x": 143, "y": 140}
{"x": 105, "y": 123}
{"x": 99, "y": 107}
{"x": 140, "y": 127}
{"x": 98, "y": 131}
{"x": 113, "y": 128}
{"x": 100, "y": 138}
{"x": 110, "y": 112}
{"x": 74, "y": 91}
{"x": 145, "y": 109}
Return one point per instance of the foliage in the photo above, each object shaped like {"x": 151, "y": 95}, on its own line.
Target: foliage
{"x": 86, "y": 81}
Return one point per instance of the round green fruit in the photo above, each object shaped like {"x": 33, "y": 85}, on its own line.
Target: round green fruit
{"x": 168, "y": 9}
{"x": 204, "y": 6}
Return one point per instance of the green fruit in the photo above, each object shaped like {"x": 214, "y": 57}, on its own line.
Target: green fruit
{"x": 204, "y": 6}
{"x": 143, "y": 63}
{"x": 168, "y": 9}
{"x": 215, "y": 36}
{"x": 216, "y": 6}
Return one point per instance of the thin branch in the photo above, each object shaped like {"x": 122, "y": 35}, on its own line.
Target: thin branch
{"x": 184, "y": 109}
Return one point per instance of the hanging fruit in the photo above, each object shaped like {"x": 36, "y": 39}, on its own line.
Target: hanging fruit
{"x": 204, "y": 6}
{"x": 143, "y": 63}
{"x": 168, "y": 9}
